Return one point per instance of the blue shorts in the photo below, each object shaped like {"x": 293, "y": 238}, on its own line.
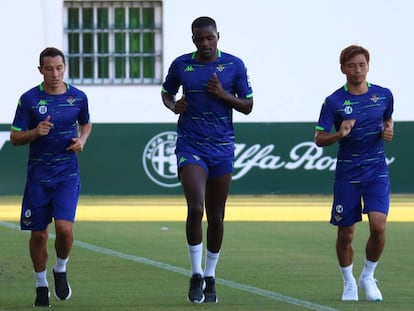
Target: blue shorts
{"x": 347, "y": 204}
{"x": 42, "y": 202}
{"x": 213, "y": 167}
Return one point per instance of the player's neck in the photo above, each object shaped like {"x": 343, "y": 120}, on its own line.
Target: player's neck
{"x": 357, "y": 88}
{"x": 206, "y": 60}
{"x": 54, "y": 89}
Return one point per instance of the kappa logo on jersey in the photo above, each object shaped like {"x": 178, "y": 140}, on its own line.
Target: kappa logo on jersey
{"x": 347, "y": 102}
{"x": 159, "y": 160}
{"x": 182, "y": 159}
{"x": 189, "y": 68}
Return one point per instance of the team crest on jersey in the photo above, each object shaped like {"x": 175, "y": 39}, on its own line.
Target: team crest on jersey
{"x": 70, "y": 100}
{"x": 220, "y": 68}
{"x": 374, "y": 98}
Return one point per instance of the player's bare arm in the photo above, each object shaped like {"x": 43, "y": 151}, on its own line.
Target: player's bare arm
{"x": 78, "y": 143}
{"x": 243, "y": 105}
{"x": 23, "y": 137}
{"x": 323, "y": 138}
{"x": 169, "y": 101}
{"x": 388, "y": 131}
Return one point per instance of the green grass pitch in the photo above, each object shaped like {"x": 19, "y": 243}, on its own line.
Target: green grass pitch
{"x": 129, "y": 266}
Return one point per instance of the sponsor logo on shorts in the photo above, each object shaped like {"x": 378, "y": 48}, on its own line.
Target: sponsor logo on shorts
{"x": 27, "y": 218}
{"x": 339, "y": 209}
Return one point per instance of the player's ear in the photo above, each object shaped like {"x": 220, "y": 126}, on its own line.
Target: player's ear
{"x": 218, "y": 35}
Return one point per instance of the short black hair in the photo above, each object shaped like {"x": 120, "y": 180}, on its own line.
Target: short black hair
{"x": 52, "y": 52}
{"x": 203, "y": 21}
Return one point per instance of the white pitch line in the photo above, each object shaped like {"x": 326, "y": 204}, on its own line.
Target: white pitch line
{"x": 243, "y": 287}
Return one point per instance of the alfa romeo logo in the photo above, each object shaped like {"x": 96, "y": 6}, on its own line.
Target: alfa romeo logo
{"x": 159, "y": 160}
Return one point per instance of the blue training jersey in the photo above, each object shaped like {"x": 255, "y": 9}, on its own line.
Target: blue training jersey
{"x": 49, "y": 161}
{"x": 361, "y": 155}
{"x": 206, "y": 127}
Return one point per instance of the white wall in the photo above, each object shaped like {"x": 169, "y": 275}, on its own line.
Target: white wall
{"x": 291, "y": 49}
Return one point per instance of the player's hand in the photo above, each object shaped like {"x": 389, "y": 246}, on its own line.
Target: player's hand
{"x": 388, "y": 131}
{"x": 346, "y": 127}
{"x": 76, "y": 145}
{"x": 180, "y": 105}
{"x": 44, "y": 127}
{"x": 215, "y": 87}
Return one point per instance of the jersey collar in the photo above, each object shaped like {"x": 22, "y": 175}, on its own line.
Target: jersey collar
{"x": 42, "y": 88}
{"x": 346, "y": 86}
{"x": 193, "y": 55}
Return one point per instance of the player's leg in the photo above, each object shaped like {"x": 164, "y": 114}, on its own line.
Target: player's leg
{"x": 216, "y": 196}
{"x": 35, "y": 216}
{"x": 345, "y": 254}
{"x": 374, "y": 248}
{"x": 376, "y": 199}
{"x": 376, "y": 241}
{"x": 39, "y": 255}
{"x": 64, "y": 238}
{"x": 65, "y": 200}
{"x": 376, "y": 205}
{"x": 346, "y": 211}
{"x": 63, "y": 247}
{"x": 193, "y": 180}
{"x": 344, "y": 247}
{"x": 218, "y": 186}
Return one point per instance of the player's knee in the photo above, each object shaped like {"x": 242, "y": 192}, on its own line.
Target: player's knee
{"x": 215, "y": 219}
{"x": 377, "y": 233}
{"x": 39, "y": 237}
{"x": 345, "y": 236}
{"x": 195, "y": 213}
{"x": 64, "y": 228}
